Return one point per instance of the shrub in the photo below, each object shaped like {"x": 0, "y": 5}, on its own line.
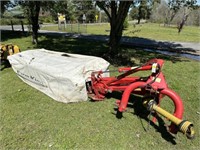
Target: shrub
{"x": 46, "y": 19}
{"x": 125, "y": 25}
{"x": 15, "y": 21}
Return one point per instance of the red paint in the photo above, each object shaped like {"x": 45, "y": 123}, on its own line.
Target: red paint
{"x": 155, "y": 83}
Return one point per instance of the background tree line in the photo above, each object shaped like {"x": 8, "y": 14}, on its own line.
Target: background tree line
{"x": 157, "y": 11}
{"x": 168, "y": 12}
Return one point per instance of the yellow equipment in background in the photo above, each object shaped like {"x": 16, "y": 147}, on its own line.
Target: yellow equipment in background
{"x": 8, "y": 49}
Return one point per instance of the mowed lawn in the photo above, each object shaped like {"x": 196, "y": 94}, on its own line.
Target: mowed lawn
{"x": 145, "y": 30}
{"x": 32, "y": 120}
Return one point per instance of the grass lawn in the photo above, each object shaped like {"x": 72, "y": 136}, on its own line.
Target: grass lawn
{"x": 146, "y": 30}
{"x": 31, "y": 120}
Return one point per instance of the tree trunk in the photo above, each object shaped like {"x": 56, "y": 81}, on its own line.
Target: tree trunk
{"x": 114, "y": 42}
{"x": 34, "y": 15}
{"x": 35, "y": 34}
{"x": 180, "y": 27}
{"x": 116, "y": 24}
{"x": 138, "y": 20}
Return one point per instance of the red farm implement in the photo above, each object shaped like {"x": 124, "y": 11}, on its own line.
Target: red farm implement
{"x": 152, "y": 88}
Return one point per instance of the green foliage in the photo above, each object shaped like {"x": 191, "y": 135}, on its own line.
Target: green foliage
{"x": 117, "y": 12}
{"x": 172, "y": 12}
{"x": 5, "y": 5}
{"x": 134, "y": 13}
{"x": 175, "y": 6}
{"x": 74, "y": 10}
{"x": 126, "y": 24}
{"x": 87, "y": 8}
{"x": 46, "y": 19}
{"x": 142, "y": 9}
{"x": 91, "y": 15}
{"x": 195, "y": 17}
{"x": 64, "y": 7}
{"x": 15, "y": 21}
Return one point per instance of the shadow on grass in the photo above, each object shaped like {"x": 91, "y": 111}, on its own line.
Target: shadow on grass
{"x": 100, "y": 49}
{"x": 160, "y": 45}
{"x": 145, "y": 56}
{"x": 92, "y": 45}
{"x": 135, "y": 103}
{"x": 84, "y": 47}
{"x": 4, "y": 64}
{"x": 72, "y": 45}
{"x": 7, "y": 35}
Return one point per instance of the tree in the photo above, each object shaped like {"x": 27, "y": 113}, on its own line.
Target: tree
{"x": 116, "y": 12}
{"x": 86, "y": 8}
{"x": 142, "y": 10}
{"x": 64, "y": 7}
{"x": 188, "y": 5}
{"x": 32, "y": 9}
{"x": 159, "y": 11}
{"x": 5, "y": 5}
{"x": 174, "y": 6}
{"x": 194, "y": 18}
{"x": 134, "y": 12}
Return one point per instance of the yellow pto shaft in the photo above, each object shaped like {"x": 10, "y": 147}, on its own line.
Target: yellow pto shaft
{"x": 185, "y": 127}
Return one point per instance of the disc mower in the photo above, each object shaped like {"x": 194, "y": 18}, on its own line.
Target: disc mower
{"x": 152, "y": 88}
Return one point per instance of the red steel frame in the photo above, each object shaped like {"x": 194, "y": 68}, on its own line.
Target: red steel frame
{"x": 154, "y": 84}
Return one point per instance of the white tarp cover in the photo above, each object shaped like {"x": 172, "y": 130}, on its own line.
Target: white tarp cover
{"x": 59, "y": 75}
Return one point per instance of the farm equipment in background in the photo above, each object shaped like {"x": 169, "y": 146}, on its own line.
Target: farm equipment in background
{"x": 8, "y": 49}
{"x": 153, "y": 88}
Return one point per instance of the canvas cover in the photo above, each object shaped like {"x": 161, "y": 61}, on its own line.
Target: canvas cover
{"x": 59, "y": 75}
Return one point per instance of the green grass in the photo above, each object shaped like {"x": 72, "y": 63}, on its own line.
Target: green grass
{"x": 31, "y": 120}
{"x": 153, "y": 31}
{"x": 147, "y": 30}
